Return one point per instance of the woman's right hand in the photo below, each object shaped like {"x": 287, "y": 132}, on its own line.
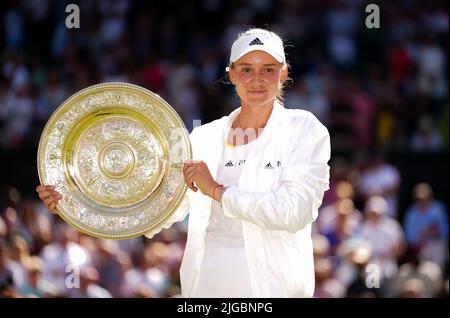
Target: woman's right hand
{"x": 49, "y": 196}
{"x": 189, "y": 168}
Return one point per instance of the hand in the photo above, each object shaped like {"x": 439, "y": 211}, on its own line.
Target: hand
{"x": 197, "y": 176}
{"x": 49, "y": 196}
{"x": 189, "y": 170}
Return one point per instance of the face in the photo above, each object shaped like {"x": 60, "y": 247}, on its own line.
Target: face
{"x": 373, "y": 216}
{"x": 258, "y": 77}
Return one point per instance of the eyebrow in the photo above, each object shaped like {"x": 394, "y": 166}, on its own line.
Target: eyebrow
{"x": 249, "y": 64}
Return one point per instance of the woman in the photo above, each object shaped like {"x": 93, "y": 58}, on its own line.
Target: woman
{"x": 262, "y": 172}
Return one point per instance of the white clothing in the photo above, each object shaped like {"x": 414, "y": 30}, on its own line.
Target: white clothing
{"x": 222, "y": 228}
{"x": 224, "y": 271}
{"x": 277, "y": 198}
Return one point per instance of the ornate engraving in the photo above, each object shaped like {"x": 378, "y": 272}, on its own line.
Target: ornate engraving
{"x": 115, "y": 152}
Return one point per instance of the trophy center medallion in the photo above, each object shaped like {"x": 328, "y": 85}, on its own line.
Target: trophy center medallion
{"x": 116, "y": 160}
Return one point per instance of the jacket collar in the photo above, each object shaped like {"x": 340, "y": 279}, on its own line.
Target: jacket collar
{"x": 216, "y": 151}
{"x": 274, "y": 119}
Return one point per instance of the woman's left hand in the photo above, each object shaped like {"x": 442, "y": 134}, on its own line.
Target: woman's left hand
{"x": 202, "y": 177}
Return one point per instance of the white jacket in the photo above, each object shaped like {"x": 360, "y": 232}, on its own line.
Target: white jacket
{"x": 276, "y": 206}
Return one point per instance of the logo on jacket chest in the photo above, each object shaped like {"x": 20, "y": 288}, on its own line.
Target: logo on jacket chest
{"x": 272, "y": 164}
{"x": 267, "y": 164}
{"x": 234, "y": 163}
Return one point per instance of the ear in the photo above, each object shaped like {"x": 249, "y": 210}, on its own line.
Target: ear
{"x": 231, "y": 74}
{"x": 284, "y": 74}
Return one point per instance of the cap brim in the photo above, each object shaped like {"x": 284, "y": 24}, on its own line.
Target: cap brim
{"x": 251, "y": 49}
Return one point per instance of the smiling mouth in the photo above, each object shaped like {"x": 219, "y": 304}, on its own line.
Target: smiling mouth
{"x": 257, "y": 92}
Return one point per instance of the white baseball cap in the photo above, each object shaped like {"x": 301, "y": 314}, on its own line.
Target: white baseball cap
{"x": 258, "y": 40}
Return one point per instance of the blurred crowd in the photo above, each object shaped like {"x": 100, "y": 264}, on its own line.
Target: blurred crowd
{"x": 366, "y": 253}
{"x": 369, "y": 253}
{"x": 42, "y": 256}
{"x": 377, "y": 91}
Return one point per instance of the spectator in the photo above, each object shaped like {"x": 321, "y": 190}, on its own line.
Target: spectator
{"x": 426, "y": 226}
{"x": 385, "y": 236}
{"x": 345, "y": 225}
{"x": 358, "y": 286}
{"x": 328, "y": 216}
{"x": 381, "y": 179}
{"x": 426, "y": 138}
{"x": 37, "y": 286}
{"x": 7, "y": 286}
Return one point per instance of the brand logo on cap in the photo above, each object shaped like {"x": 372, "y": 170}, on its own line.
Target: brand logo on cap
{"x": 256, "y": 41}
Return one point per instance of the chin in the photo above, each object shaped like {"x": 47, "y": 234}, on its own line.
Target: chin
{"x": 259, "y": 101}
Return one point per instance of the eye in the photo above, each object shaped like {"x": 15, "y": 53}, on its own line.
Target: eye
{"x": 246, "y": 70}
{"x": 268, "y": 70}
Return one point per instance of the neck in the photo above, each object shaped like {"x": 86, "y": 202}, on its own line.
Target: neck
{"x": 253, "y": 116}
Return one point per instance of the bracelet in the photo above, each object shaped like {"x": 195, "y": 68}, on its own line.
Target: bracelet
{"x": 214, "y": 191}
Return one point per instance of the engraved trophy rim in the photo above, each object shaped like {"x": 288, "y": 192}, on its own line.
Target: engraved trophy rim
{"x": 106, "y": 216}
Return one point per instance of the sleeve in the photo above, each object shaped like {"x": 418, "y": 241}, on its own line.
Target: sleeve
{"x": 303, "y": 181}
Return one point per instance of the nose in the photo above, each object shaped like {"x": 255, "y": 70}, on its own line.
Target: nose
{"x": 256, "y": 77}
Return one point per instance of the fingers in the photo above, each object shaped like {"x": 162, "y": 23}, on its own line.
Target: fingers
{"x": 49, "y": 196}
{"x": 50, "y": 204}
{"x": 40, "y": 188}
{"x": 190, "y": 175}
{"x": 192, "y": 186}
{"x": 190, "y": 162}
{"x": 194, "y": 165}
{"x": 189, "y": 172}
{"x": 190, "y": 183}
{"x": 189, "y": 178}
{"x": 45, "y": 190}
{"x": 45, "y": 194}
{"x": 52, "y": 207}
{"x": 191, "y": 167}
